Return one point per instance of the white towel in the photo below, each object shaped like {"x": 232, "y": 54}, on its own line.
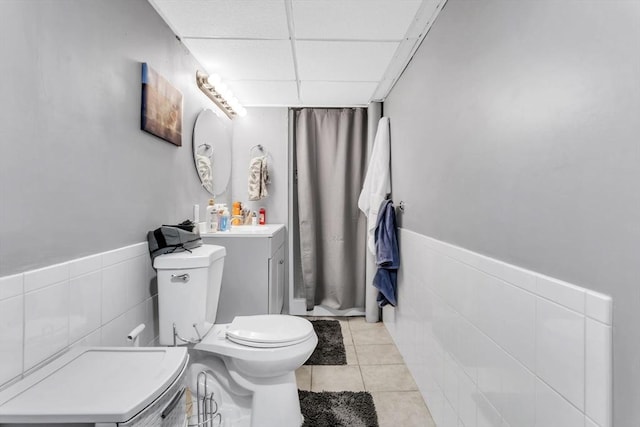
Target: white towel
{"x": 203, "y": 164}
{"x": 377, "y": 181}
{"x": 258, "y": 178}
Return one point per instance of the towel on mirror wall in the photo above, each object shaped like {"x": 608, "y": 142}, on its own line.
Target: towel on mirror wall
{"x": 203, "y": 165}
{"x": 387, "y": 255}
{"x": 258, "y": 178}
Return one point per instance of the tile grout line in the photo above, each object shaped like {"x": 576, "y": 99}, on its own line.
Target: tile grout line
{"x": 356, "y": 362}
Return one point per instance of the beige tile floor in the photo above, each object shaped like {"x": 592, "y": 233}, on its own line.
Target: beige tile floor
{"x": 374, "y": 365}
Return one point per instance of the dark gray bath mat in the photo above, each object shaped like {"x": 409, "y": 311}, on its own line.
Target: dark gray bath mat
{"x": 338, "y": 409}
{"x": 330, "y": 348}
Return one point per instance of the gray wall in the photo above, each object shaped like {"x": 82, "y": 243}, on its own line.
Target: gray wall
{"x": 77, "y": 175}
{"x": 515, "y": 133}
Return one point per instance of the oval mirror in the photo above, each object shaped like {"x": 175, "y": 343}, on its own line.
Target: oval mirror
{"x": 212, "y": 151}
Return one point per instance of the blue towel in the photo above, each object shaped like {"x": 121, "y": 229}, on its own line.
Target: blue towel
{"x": 387, "y": 255}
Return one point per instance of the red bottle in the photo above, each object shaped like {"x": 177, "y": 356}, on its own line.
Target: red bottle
{"x": 263, "y": 217}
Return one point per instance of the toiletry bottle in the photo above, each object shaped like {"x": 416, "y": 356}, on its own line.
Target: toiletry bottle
{"x": 263, "y": 216}
{"x": 237, "y": 213}
{"x": 254, "y": 219}
{"x": 225, "y": 225}
{"x": 220, "y": 211}
{"x": 212, "y": 217}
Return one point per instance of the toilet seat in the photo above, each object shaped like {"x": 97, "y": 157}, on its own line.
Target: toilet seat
{"x": 269, "y": 331}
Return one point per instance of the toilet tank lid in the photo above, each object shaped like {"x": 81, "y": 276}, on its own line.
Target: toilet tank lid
{"x": 93, "y": 385}
{"x": 202, "y": 256}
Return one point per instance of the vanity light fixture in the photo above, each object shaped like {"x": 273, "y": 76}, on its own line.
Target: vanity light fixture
{"x": 220, "y": 94}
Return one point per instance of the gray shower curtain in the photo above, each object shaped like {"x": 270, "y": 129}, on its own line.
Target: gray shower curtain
{"x": 331, "y": 151}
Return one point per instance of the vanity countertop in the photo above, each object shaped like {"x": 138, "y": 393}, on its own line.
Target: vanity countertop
{"x": 267, "y": 230}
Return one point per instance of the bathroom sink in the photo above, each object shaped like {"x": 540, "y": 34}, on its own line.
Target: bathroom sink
{"x": 248, "y": 230}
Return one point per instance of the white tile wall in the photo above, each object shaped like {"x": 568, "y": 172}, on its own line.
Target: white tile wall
{"x": 84, "y": 304}
{"x": 11, "y": 331}
{"x": 11, "y": 286}
{"x": 598, "y": 377}
{"x": 36, "y": 279}
{"x": 46, "y": 322}
{"x": 518, "y": 393}
{"x": 494, "y": 345}
{"x": 95, "y": 300}
{"x": 486, "y": 414}
{"x": 552, "y": 410}
{"x": 560, "y": 350}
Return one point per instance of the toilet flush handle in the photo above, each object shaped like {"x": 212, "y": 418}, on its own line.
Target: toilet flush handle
{"x": 183, "y": 277}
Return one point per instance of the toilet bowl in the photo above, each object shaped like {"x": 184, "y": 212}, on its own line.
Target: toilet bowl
{"x": 250, "y": 362}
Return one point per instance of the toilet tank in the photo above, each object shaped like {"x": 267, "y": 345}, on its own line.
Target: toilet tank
{"x": 188, "y": 291}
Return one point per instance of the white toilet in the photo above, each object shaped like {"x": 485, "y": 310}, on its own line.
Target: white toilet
{"x": 250, "y": 363}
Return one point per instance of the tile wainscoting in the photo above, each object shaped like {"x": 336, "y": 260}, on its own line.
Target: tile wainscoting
{"x": 95, "y": 300}
{"x": 492, "y": 344}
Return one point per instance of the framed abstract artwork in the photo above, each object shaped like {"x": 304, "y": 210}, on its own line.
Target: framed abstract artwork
{"x": 161, "y": 107}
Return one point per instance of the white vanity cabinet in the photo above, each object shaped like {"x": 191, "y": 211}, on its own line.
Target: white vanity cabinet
{"x": 253, "y": 278}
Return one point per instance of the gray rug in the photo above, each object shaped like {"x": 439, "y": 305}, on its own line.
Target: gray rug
{"x": 338, "y": 409}
{"x": 330, "y": 348}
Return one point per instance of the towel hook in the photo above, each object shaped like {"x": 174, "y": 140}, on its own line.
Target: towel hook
{"x": 259, "y": 147}
{"x": 203, "y": 148}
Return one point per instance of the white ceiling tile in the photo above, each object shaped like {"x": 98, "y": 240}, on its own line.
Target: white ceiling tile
{"x": 353, "y": 19}
{"x": 225, "y": 18}
{"x": 245, "y": 59}
{"x": 330, "y": 94}
{"x": 343, "y": 61}
{"x": 348, "y": 48}
{"x": 262, "y": 93}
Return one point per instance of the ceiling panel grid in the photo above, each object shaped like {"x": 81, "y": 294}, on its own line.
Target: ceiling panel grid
{"x": 302, "y": 52}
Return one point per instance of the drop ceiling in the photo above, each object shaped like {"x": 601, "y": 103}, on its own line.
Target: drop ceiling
{"x": 302, "y": 52}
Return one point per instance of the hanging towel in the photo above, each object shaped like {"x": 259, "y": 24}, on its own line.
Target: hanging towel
{"x": 203, "y": 164}
{"x": 377, "y": 181}
{"x": 387, "y": 255}
{"x": 258, "y": 178}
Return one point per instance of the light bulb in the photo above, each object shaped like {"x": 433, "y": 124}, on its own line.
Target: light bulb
{"x": 234, "y": 103}
{"x": 214, "y": 79}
